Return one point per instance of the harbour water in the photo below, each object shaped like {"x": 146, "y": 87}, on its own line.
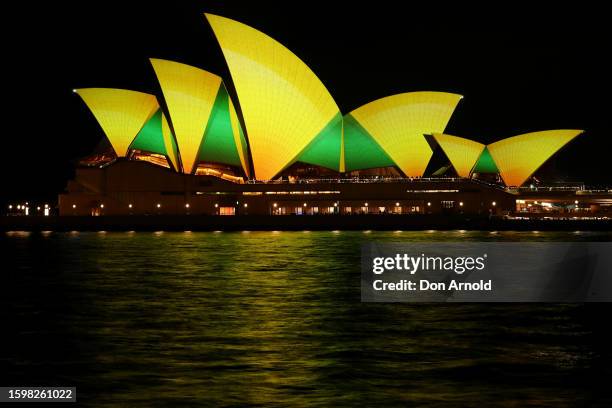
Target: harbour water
{"x": 144, "y": 319}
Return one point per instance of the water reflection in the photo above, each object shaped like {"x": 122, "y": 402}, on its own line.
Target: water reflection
{"x": 269, "y": 318}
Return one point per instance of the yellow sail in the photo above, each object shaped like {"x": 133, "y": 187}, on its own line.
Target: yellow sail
{"x": 285, "y": 106}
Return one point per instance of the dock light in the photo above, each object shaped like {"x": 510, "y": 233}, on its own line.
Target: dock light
{"x": 335, "y": 204}
{"x": 428, "y": 204}
{"x": 38, "y": 208}
{"x": 366, "y": 204}
{"x": 245, "y": 205}
{"x": 101, "y": 205}
{"x": 158, "y": 205}
{"x": 460, "y": 203}
{"x": 18, "y": 207}
{"x": 576, "y": 202}
{"x": 493, "y": 203}
{"x": 73, "y": 205}
{"x": 216, "y": 205}
{"x": 397, "y": 204}
{"x": 10, "y": 207}
{"x": 187, "y": 205}
{"x": 46, "y": 205}
{"x": 275, "y": 205}
{"x": 305, "y": 204}
{"x": 129, "y": 205}
{"x": 237, "y": 202}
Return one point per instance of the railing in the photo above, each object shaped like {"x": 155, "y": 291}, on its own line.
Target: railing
{"x": 552, "y": 188}
{"x": 357, "y": 180}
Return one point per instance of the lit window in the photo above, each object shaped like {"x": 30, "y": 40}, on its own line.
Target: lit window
{"x": 227, "y": 211}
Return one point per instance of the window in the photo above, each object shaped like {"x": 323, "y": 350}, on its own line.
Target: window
{"x": 227, "y": 211}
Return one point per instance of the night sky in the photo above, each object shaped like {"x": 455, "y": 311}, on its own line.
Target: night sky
{"x": 520, "y": 70}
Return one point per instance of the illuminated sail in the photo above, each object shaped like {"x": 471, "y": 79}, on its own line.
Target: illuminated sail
{"x": 518, "y": 157}
{"x": 285, "y": 106}
{"x": 397, "y": 123}
{"x": 462, "y": 153}
{"x": 121, "y": 113}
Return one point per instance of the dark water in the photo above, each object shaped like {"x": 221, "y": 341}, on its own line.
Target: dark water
{"x": 275, "y": 319}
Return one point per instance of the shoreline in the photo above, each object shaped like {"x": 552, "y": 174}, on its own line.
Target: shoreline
{"x": 293, "y": 223}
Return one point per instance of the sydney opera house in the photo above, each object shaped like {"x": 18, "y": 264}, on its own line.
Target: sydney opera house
{"x": 283, "y": 146}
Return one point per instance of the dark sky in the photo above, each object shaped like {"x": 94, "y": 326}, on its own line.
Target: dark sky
{"x": 520, "y": 69}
